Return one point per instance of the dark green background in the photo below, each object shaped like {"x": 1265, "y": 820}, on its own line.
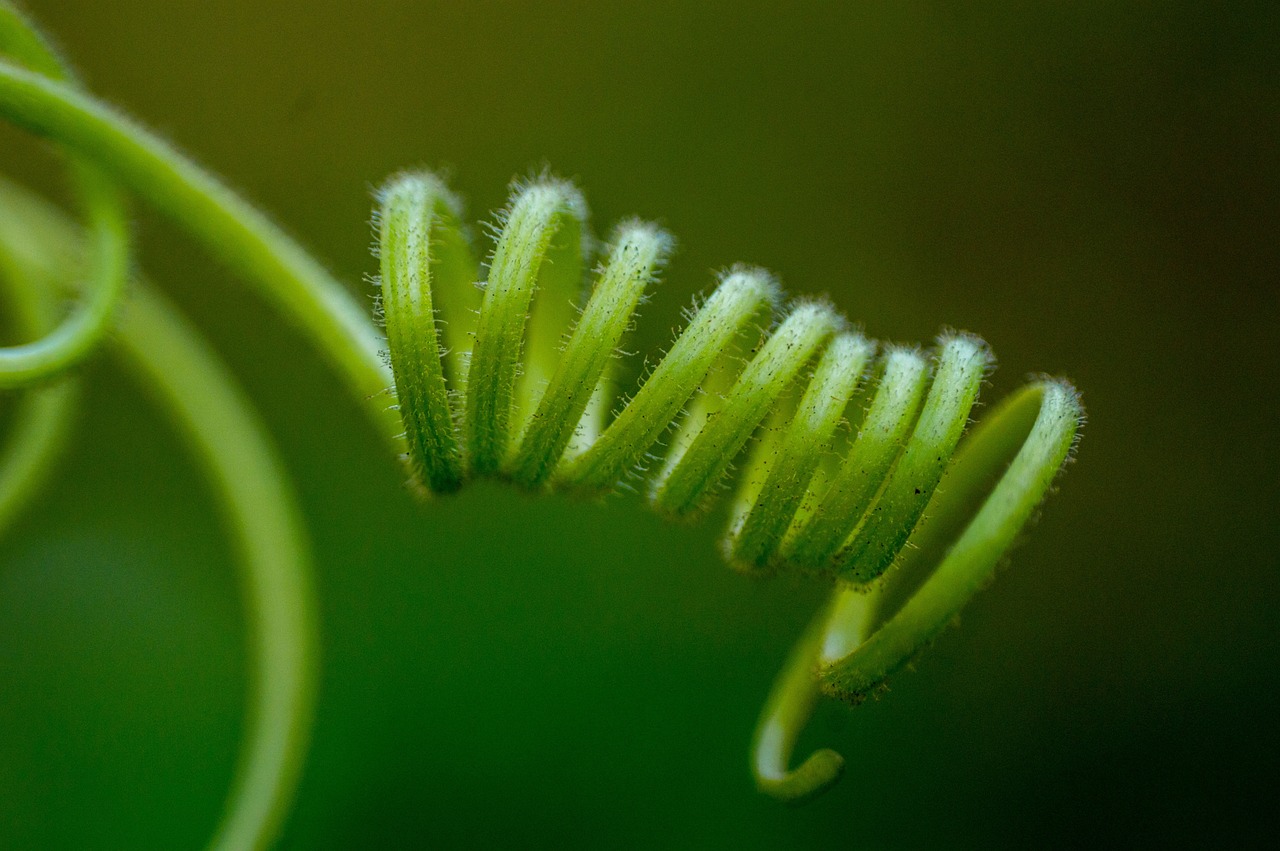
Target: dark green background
{"x": 1092, "y": 186}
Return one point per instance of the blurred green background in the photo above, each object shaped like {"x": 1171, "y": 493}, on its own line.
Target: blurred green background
{"x": 1092, "y": 186}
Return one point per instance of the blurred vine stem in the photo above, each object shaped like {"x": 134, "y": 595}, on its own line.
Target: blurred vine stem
{"x": 40, "y": 259}
{"x": 520, "y": 392}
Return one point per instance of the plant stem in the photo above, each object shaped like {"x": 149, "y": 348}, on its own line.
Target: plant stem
{"x": 245, "y": 239}
{"x": 791, "y": 701}
{"x": 251, "y": 488}
{"x": 955, "y": 556}
{"x": 41, "y": 423}
{"x": 59, "y": 346}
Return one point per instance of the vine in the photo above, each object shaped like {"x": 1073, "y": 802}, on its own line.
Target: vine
{"x": 513, "y": 379}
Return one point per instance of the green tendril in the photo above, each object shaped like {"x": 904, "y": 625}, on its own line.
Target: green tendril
{"x": 63, "y": 345}
{"x": 42, "y": 419}
{"x": 225, "y": 224}
{"x": 541, "y": 248}
{"x": 1037, "y": 427}
{"x": 226, "y": 438}
{"x": 795, "y": 509}
{"x": 233, "y": 447}
{"x": 860, "y": 639}
{"x": 743, "y": 295}
{"x": 786, "y": 711}
{"x": 880, "y": 439}
{"x": 638, "y": 251}
{"x": 776, "y": 485}
{"x": 962, "y": 363}
{"x": 508, "y": 380}
{"x": 693, "y": 468}
{"x": 418, "y": 241}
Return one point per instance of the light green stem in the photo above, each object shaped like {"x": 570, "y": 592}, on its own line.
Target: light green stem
{"x": 541, "y": 248}
{"x": 40, "y": 428}
{"x": 41, "y": 423}
{"x": 252, "y": 489}
{"x": 769, "y": 507}
{"x": 228, "y": 226}
{"x": 417, "y": 235}
{"x": 785, "y": 713}
{"x": 1039, "y": 424}
{"x": 742, "y": 295}
{"x": 79, "y": 333}
{"x": 693, "y": 469}
{"x": 235, "y": 451}
{"x": 861, "y": 638}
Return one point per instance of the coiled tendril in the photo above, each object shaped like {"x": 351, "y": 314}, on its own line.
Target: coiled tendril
{"x": 858, "y": 473}
{"x": 521, "y": 392}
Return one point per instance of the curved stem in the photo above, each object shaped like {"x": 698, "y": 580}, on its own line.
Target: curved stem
{"x": 637, "y": 251}
{"x": 253, "y": 491}
{"x": 219, "y": 425}
{"x": 1039, "y": 423}
{"x": 417, "y": 233}
{"x": 861, "y": 638}
{"x": 693, "y": 469}
{"x": 741, "y": 296}
{"x": 787, "y": 710}
{"x": 42, "y": 421}
{"x": 229, "y": 227}
{"x": 80, "y": 332}
{"x": 541, "y": 248}
{"x": 39, "y": 431}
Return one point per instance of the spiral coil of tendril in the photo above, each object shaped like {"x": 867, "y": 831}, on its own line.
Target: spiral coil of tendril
{"x": 858, "y": 472}
{"x": 503, "y": 380}
{"x": 529, "y": 421}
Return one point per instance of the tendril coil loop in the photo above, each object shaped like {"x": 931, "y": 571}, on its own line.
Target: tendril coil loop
{"x": 858, "y": 472}
{"x": 44, "y": 258}
{"x": 510, "y": 384}
{"x": 81, "y": 331}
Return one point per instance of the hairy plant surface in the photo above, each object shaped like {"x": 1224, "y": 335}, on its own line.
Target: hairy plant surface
{"x": 844, "y": 460}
